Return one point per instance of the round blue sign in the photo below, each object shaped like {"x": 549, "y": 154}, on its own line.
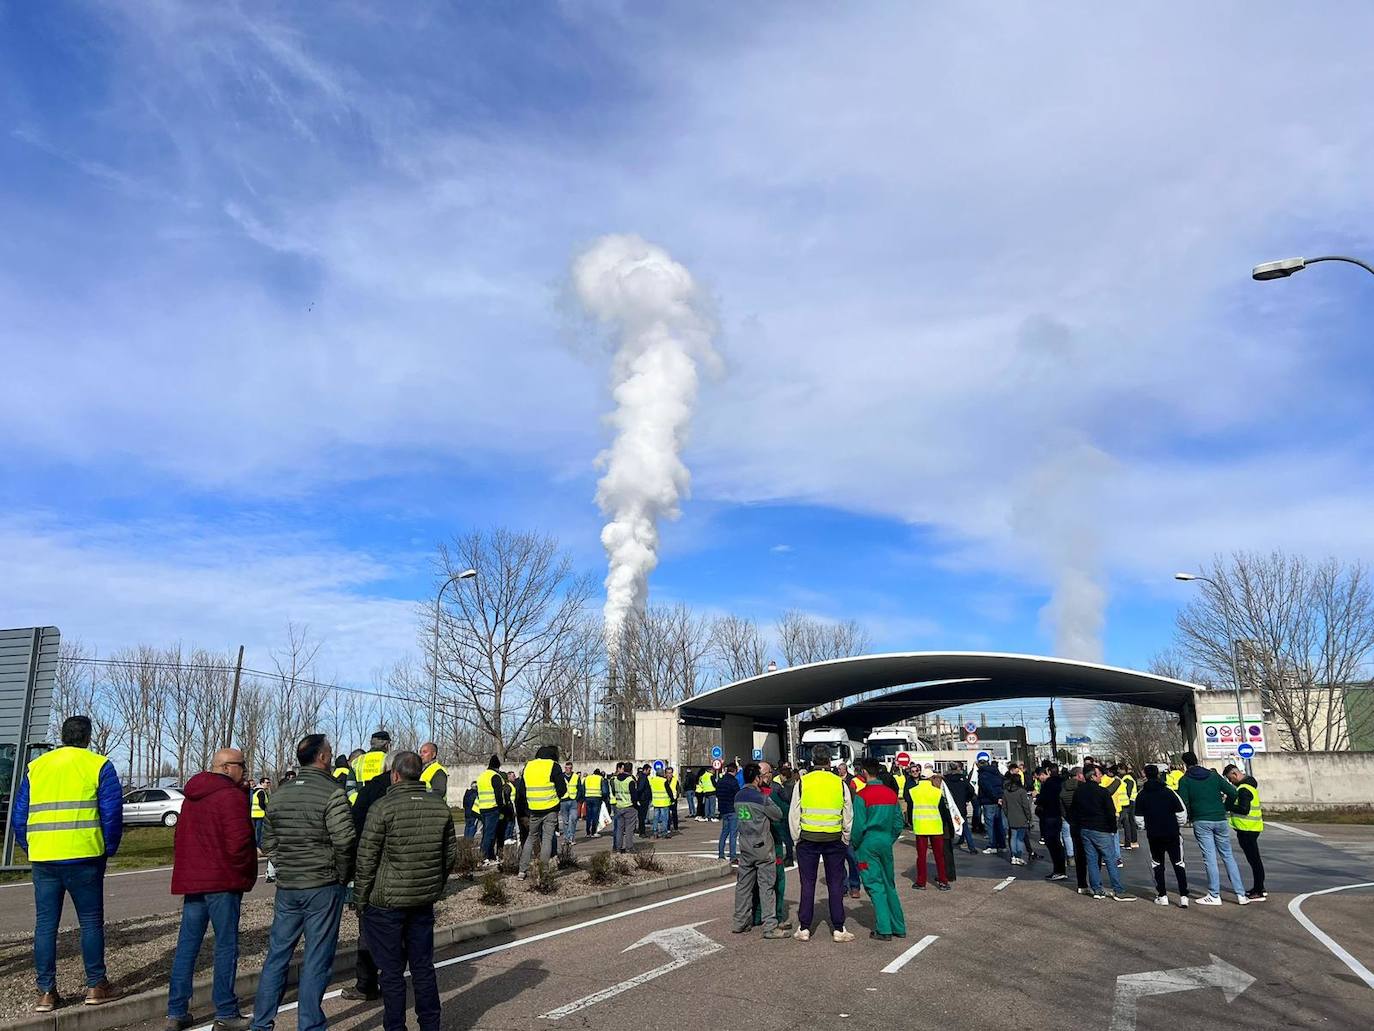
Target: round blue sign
{"x": 716, "y": 752}
{"x": 983, "y": 757}
{"x": 971, "y": 727}
{"x": 1246, "y": 750}
{"x": 658, "y": 765}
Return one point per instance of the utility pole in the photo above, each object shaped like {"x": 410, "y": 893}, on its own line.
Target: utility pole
{"x": 233, "y": 701}
{"x": 1054, "y": 740}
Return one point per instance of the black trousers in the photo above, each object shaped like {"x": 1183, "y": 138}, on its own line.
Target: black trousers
{"x": 1051, "y": 828}
{"x": 1249, "y": 844}
{"x": 643, "y": 809}
{"x": 1173, "y": 848}
{"x": 400, "y": 938}
{"x": 1080, "y": 858}
{"x": 365, "y": 973}
{"x": 1126, "y": 825}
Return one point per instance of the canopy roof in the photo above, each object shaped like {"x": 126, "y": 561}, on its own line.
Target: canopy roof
{"x": 928, "y": 681}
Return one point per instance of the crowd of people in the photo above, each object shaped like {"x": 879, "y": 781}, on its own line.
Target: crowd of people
{"x": 374, "y": 831}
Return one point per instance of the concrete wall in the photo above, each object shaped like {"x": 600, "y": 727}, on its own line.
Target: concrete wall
{"x": 1314, "y": 780}
{"x": 656, "y": 736}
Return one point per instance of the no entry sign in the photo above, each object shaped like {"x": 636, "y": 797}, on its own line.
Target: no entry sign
{"x": 903, "y": 759}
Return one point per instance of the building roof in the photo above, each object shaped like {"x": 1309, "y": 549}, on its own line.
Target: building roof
{"x": 928, "y": 681}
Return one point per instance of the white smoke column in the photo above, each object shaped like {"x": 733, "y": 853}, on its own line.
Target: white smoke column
{"x": 656, "y": 314}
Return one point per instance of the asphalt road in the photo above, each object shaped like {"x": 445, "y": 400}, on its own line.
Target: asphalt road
{"x": 1030, "y": 954}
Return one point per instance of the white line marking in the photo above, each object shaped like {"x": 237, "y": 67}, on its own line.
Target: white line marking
{"x": 1004, "y": 884}
{"x": 1295, "y": 907}
{"x": 910, "y": 954}
{"x": 1290, "y": 829}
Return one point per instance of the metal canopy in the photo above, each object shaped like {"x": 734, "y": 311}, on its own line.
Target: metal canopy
{"x": 929, "y": 681}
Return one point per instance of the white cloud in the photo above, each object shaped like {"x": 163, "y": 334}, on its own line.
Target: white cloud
{"x": 781, "y": 549}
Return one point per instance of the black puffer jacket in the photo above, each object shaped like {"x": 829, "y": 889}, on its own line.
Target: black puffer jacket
{"x": 308, "y": 831}
{"x": 1157, "y": 809}
{"x": 407, "y": 849}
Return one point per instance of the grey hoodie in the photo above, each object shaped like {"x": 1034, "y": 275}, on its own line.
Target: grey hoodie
{"x": 1017, "y": 804}
{"x": 754, "y": 812}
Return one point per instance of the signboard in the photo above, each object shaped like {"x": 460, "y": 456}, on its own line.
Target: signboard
{"x": 971, "y": 738}
{"x": 1000, "y": 750}
{"x": 903, "y": 759}
{"x": 717, "y": 753}
{"x": 971, "y": 727}
{"x": 758, "y": 755}
{"x": 28, "y": 665}
{"x": 1245, "y": 750}
{"x": 658, "y": 766}
{"x": 1222, "y": 736}
{"x": 983, "y": 757}
{"x": 716, "y": 764}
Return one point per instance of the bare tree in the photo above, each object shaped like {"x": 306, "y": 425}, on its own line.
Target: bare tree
{"x": 738, "y": 648}
{"x": 1135, "y": 733}
{"x": 506, "y": 642}
{"x": 664, "y": 649}
{"x": 805, "y": 638}
{"x": 296, "y": 698}
{"x": 1302, "y": 636}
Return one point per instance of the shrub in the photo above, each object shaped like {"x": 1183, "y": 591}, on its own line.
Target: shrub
{"x": 494, "y": 890}
{"x": 603, "y": 868}
{"x": 469, "y": 858}
{"x": 567, "y": 858}
{"x": 509, "y": 861}
{"x": 645, "y": 859}
{"x": 543, "y": 877}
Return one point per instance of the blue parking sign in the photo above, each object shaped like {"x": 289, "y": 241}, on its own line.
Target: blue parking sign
{"x": 716, "y": 753}
{"x": 758, "y": 755}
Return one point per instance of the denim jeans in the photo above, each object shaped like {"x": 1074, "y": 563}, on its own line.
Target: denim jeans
{"x": 400, "y": 938}
{"x": 84, "y": 881}
{"x": 1018, "y": 842}
{"x": 491, "y": 824}
{"x": 1066, "y": 838}
{"x": 662, "y": 816}
{"x": 220, "y": 909}
{"x": 851, "y": 865}
{"x": 966, "y": 834}
{"x": 593, "y": 817}
{"x": 312, "y": 913}
{"x": 567, "y": 819}
{"x": 691, "y": 803}
{"x": 1213, "y": 837}
{"x": 710, "y": 805}
{"x": 1102, "y": 844}
{"x": 729, "y": 829}
{"x": 995, "y": 824}
{"x": 543, "y": 826}
{"x": 470, "y": 825}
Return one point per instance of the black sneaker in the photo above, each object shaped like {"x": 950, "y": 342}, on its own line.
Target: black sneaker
{"x": 355, "y": 994}
{"x": 942, "y": 885}
{"x": 879, "y": 937}
{"x": 918, "y": 887}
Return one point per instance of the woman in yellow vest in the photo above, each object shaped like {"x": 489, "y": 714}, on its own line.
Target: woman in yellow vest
{"x": 1247, "y": 819}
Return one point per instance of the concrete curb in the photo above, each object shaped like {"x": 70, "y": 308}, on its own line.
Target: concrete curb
{"x": 152, "y": 1005}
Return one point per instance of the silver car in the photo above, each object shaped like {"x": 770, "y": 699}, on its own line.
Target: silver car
{"x": 153, "y": 806}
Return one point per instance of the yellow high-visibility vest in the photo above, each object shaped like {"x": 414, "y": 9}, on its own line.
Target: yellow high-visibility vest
{"x": 1172, "y": 778}
{"x": 64, "y": 808}
{"x": 1254, "y": 819}
{"x": 707, "y": 784}
{"x": 901, "y": 784}
{"x": 659, "y": 786}
{"x": 258, "y": 808}
{"x": 573, "y": 781}
{"x": 856, "y": 785}
{"x": 430, "y": 772}
{"x": 925, "y": 809}
{"x": 486, "y": 790}
{"x": 1117, "y": 792}
{"x": 1128, "y": 783}
{"x": 620, "y": 792}
{"x": 672, "y": 783}
{"x": 593, "y": 789}
{"x": 540, "y": 794}
{"x": 820, "y": 795}
{"x": 367, "y": 766}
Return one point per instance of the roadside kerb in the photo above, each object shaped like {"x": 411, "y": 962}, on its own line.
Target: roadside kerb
{"x": 151, "y": 1005}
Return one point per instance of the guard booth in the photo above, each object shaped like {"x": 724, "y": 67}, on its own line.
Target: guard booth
{"x": 914, "y": 683}
{"x": 28, "y": 666}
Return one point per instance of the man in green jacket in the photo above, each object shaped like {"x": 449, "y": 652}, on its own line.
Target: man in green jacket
{"x": 878, "y": 824}
{"x": 406, "y": 851}
{"x": 1206, "y": 794}
{"x": 308, "y": 832}
{"x": 779, "y": 799}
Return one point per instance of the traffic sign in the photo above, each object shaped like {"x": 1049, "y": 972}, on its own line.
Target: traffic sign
{"x": 717, "y": 753}
{"x": 658, "y": 765}
{"x": 983, "y": 757}
{"x": 758, "y": 755}
{"x": 716, "y": 764}
{"x": 971, "y": 738}
{"x": 971, "y": 727}
{"x": 1246, "y": 750}
{"x": 903, "y": 759}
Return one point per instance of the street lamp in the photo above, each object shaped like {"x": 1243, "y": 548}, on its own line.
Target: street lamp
{"x": 1285, "y": 268}
{"x": 1231, "y": 635}
{"x": 466, "y": 574}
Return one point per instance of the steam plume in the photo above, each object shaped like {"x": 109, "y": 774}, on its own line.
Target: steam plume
{"x": 656, "y": 315}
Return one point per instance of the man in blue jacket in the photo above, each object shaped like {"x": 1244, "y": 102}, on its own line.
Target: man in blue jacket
{"x": 727, "y": 787}
{"x": 990, "y": 799}
{"x": 68, "y": 817}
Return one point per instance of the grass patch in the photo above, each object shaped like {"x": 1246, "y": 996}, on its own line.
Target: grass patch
{"x": 139, "y": 849}
{"x": 1344, "y": 814}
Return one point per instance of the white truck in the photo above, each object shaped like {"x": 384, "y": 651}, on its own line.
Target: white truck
{"x": 843, "y": 749}
{"x": 885, "y": 742}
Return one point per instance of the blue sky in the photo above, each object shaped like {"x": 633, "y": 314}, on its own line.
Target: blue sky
{"x": 283, "y": 301}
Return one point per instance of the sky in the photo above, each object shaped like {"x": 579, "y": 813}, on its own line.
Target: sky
{"x": 284, "y": 301}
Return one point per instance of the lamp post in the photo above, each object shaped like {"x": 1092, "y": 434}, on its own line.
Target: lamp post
{"x": 1231, "y": 642}
{"x": 1285, "y": 268}
{"x": 466, "y": 574}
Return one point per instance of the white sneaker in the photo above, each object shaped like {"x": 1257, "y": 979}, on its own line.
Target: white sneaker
{"x": 1183, "y": 902}
{"x": 1161, "y": 900}
{"x": 1241, "y": 900}
{"x": 989, "y": 851}
{"x": 843, "y": 936}
{"x": 1209, "y": 900}
{"x": 803, "y": 935}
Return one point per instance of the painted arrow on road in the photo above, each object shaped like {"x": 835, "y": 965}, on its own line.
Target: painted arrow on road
{"x": 685, "y": 944}
{"x": 1131, "y": 988}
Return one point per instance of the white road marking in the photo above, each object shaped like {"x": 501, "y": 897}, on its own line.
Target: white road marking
{"x": 685, "y": 944}
{"x": 1004, "y": 884}
{"x": 1130, "y": 988}
{"x": 1291, "y": 829}
{"x": 907, "y": 956}
{"x": 1295, "y": 907}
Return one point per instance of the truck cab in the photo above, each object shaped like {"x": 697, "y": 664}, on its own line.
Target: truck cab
{"x": 884, "y": 743}
{"x": 843, "y": 749}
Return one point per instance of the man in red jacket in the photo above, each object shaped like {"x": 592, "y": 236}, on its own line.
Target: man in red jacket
{"x": 214, "y": 861}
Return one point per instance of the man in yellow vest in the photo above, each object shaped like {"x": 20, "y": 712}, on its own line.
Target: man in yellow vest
{"x": 706, "y": 797}
{"x": 675, "y": 786}
{"x": 591, "y": 792}
{"x": 820, "y": 818}
{"x": 1111, "y": 781}
{"x": 567, "y": 808}
{"x": 661, "y": 800}
{"x": 371, "y": 762}
{"x": 542, "y": 787}
{"x": 490, "y": 798}
{"x": 624, "y": 812}
{"x": 1174, "y": 775}
{"x": 69, "y": 816}
{"x": 257, "y": 810}
{"x": 1247, "y": 819}
{"x": 1129, "y": 837}
{"x": 929, "y": 827}
{"x": 433, "y": 776}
